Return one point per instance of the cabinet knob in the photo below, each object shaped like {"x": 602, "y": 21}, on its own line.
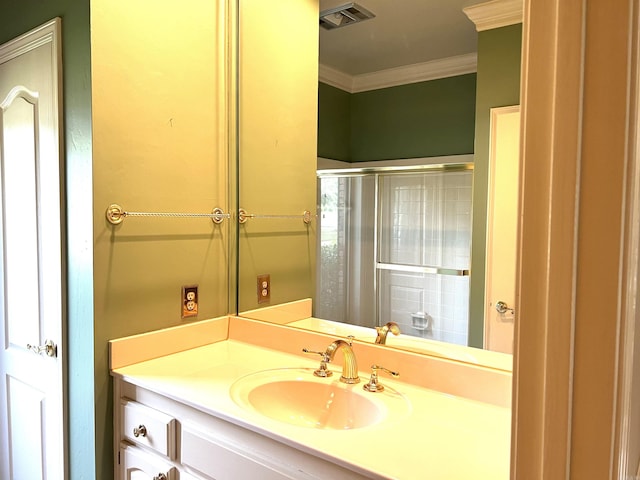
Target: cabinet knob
{"x": 160, "y": 476}
{"x": 140, "y": 430}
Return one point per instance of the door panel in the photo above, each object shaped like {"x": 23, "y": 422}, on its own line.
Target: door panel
{"x": 502, "y": 228}
{"x": 25, "y": 406}
{"x": 32, "y": 414}
{"x": 20, "y": 229}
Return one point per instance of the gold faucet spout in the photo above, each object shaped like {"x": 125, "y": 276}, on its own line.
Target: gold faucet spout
{"x": 349, "y": 365}
{"x": 382, "y": 332}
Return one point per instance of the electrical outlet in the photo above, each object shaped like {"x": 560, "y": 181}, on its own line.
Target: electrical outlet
{"x": 189, "y": 301}
{"x": 264, "y": 288}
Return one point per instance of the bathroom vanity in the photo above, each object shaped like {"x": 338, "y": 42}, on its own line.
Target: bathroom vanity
{"x": 182, "y": 440}
{"x": 211, "y": 401}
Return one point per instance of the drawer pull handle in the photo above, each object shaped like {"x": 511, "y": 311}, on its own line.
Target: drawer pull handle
{"x": 141, "y": 430}
{"x": 160, "y": 476}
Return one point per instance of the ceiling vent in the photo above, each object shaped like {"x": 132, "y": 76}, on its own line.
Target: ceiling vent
{"x": 344, "y": 15}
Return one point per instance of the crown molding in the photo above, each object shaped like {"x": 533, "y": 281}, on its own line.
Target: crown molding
{"x": 335, "y": 78}
{"x": 419, "y": 72}
{"x": 495, "y": 14}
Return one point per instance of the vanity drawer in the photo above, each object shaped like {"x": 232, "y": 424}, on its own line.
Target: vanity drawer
{"x": 146, "y": 426}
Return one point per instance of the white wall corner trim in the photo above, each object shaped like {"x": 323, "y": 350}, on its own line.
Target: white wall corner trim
{"x": 495, "y": 14}
{"x": 418, "y": 72}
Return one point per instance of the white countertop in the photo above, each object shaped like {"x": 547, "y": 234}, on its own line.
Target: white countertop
{"x": 444, "y": 437}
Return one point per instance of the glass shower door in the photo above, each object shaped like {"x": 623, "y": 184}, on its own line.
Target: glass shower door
{"x": 346, "y": 270}
{"x": 424, "y": 245}
{"x": 394, "y": 245}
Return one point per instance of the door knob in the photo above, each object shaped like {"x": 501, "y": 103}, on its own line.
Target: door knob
{"x": 49, "y": 348}
{"x": 502, "y": 307}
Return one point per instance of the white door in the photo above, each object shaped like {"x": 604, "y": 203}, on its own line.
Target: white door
{"x": 502, "y": 225}
{"x": 32, "y": 415}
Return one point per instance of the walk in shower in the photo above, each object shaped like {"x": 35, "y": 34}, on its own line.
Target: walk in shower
{"x": 395, "y": 245}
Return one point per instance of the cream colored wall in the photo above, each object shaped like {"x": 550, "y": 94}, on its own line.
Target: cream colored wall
{"x": 159, "y": 145}
{"x": 278, "y": 137}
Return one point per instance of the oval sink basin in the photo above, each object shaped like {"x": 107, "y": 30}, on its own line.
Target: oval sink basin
{"x": 297, "y": 397}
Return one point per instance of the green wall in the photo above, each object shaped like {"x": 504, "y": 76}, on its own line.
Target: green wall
{"x": 16, "y": 18}
{"x": 499, "y": 53}
{"x": 425, "y": 119}
{"x": 334, "y": 123}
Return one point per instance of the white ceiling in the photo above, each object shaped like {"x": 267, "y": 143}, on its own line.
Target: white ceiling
{"x": 404, "y": 32}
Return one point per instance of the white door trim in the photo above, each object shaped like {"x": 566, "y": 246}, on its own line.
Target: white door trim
{"x": 551, "y": 108}
{"x": 626, "y": 442}
{"x": 579, "y": 209}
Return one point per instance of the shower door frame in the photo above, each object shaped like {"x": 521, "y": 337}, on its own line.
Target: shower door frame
{"x": 377, "y": 265}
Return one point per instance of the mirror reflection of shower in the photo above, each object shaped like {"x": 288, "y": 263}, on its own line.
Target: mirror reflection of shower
{"x": 394, "y": 246}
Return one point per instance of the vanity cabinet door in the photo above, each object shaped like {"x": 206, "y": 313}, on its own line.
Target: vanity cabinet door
{"x": 219, "y": 459}
{"x": 189, "y": 476}
{"x": 139, "y": 465}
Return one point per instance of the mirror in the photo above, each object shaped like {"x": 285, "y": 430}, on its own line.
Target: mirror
{"x": 276, "y": 164}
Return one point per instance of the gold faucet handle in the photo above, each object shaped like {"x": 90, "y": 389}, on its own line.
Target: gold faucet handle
{"x": 322, "y": 370}
{"x": 322, "y": 354}
{"x": 374, "y": 385}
